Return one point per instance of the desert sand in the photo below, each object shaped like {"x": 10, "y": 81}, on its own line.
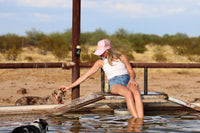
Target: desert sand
{"x": 183, "y": 84}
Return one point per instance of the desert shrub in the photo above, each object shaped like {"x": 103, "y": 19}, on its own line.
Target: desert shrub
{"x": 128, "y": 53}
{"x": 28, "y": 58}
{"x": 121, "y": 34}
{"x": 159, "y": 55}
{"x": 44, "y": 45}
{"x": 85, "y": 38}
{"x": 194, "y": 58}
{"x": 140, "y": 49}
{"x": 12, "y": 54}
{"x": 179, "y": 50}
{"x": 57, "y": 43}
{"x": 9, "y": 41}
{"x": 86, "y": 55}
{"x": 3, "y": 47}
{"x": 89, "y": 57}
{"x": 60, "y": 52}
{"x": 91, "y": 38}
{"x": 34, "y": 34}
{"x": 137, "y": 42}
{"x": 67, "y": 37}
{"x": 130, "y": 56}
{"x": 59, "y": 46}
{"x": 122, "y": 40}
{"x": 186, "y": 46}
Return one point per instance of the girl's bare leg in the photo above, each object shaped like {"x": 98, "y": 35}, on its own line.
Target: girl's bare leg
{"x": 126, "y": 92}
{"x": 138, "y": 100}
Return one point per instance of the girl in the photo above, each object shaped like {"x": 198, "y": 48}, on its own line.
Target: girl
{"x": 120, "y": 75}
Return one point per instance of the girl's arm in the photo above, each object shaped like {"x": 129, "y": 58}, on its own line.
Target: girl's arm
{"x": 129, "y": 69}
{"x": 98, "y": 64}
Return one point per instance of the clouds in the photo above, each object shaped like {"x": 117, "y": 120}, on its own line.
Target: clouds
{"x": 45, "y": 3}
{"x": 5, "y": 15}
{"x": 176, "y": 10}
{"x": 146, "y": 16}
{"x": 42, "y": 10}
{"x": 42, "y": 17}
{"x": 132, "y": 8}
{"x": 139, "y": 8}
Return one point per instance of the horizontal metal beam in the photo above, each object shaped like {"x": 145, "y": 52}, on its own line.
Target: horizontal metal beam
{"x": 155, "y": 65}
{"x": 36, "y": 65}
{"x": 165, "y": 65}
{"x": 87, "y": 65}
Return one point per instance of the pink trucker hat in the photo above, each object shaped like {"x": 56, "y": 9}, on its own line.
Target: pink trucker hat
{"x": 102, "y": 46}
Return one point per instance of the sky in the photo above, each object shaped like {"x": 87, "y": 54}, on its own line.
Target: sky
{"x": 158, "y": 17}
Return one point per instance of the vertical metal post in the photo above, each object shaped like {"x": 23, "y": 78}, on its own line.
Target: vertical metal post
{"x": 102, "y": 80}
{"x": 145, "y": 81}
{"x": 75, "y": 42}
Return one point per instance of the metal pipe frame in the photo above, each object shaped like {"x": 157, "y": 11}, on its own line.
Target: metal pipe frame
{"x": 88, "y": 65}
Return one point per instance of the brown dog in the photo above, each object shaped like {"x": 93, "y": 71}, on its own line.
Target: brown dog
{"x": 56, "y": 98}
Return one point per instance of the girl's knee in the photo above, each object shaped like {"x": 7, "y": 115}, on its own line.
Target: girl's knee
{"x": 132, "y": 87}
{"x": 137, "y": 92}
{"x": 129, "y": 94}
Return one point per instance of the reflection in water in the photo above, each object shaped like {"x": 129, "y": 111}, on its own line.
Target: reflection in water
{"x": 74, "y": 123}
{"x": 135, "y": 125}
{"x": 76, "y": 126}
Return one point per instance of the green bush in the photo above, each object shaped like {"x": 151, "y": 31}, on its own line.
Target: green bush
{"x": 194, "y": 58}
{"x": 159, "y": 57}
{"x": 130, "y": 56}
{"x": 87, "y": 56}
{"x": 137, "y": 42}
{"x": 60, "y": 52}
{"x": 12, "y": 54}
{"x": 9, "y": 41}
{"x": 34, "y": 34}
{"x": 91, "y": 38}
{"x": 28, "y": 58}
{"x": 122, "y": 40}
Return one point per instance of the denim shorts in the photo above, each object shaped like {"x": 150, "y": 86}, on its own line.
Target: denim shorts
{"x": 121, "y": 79}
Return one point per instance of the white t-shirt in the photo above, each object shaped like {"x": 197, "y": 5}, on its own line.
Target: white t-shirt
{"x": 117, "y": 68}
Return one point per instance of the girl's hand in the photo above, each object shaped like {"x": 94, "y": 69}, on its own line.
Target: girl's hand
{"x": 64, "y": 88}
{"x": 133, "y": 82}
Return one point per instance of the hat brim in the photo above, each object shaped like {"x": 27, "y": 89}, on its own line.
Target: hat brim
{"x": 99, "y": 51}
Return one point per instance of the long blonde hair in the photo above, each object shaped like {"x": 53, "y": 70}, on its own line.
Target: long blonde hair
{"x": 113, "y": 54}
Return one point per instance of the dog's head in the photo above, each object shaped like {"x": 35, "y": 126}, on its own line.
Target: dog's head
{"x": 33, "y": 127}
{"x": 58, "y": 95}
{"x": 41, "y": 124}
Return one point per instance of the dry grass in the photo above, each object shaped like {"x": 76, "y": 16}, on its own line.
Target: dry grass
{"x": 145, "y": 57}
{"x": 167, "y": 51}
{"x": 35, "y": 54}
{"x": 179, "y": 83}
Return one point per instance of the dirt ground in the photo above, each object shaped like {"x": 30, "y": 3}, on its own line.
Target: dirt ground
{"x": 183, "y": 84}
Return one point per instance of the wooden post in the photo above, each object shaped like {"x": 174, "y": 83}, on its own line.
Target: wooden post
{"x": 102, "y": 80}
{"x": 145, "y": 81}
{"x": 75, "y": 42}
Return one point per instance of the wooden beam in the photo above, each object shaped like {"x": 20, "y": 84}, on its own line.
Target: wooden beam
{"x": 75, "y": 43}
{"x": 37, "y": 65}
{"x": 77, "y": 103}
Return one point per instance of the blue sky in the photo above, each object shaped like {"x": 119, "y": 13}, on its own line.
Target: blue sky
{"x": 136, "y": 16}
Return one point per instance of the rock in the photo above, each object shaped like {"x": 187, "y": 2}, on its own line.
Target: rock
{"x": 22, "y": 91}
